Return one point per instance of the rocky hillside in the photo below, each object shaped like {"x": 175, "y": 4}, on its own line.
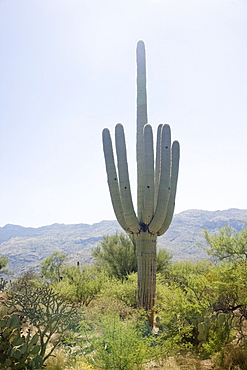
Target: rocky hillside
{"x": 27, "y": 247}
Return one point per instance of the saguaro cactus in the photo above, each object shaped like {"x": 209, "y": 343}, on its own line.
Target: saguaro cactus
{"x": 156, "y": 186}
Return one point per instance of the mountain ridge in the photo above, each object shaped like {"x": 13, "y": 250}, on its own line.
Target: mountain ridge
{"x": 26, "y": 247}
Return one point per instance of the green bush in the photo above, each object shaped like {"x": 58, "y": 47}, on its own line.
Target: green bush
{"x": 125, "y": 291}
{"x": 80, "y": 285}
{"x": 121, "y": 345}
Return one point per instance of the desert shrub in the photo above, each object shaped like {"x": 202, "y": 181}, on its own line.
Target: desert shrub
{"x": 177, "y": 316}
{"x": 118, "y": 344}
{"x": 58, "y": 361}
{"x": 52, "y": 266}
{"x": 125, "y": 291}
{"x": 202, "y": 304}
{"x": 116, "y": 255}
{"x": 232, "y": 357}
{"x": 80, "y": 284}
{"x": 29, "y": 278}
{"x": 3, "y": 263}
{"x": 108, "y": 306}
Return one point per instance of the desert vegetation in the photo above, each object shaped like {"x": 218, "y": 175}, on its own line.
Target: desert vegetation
{"x": 87, "y": 316}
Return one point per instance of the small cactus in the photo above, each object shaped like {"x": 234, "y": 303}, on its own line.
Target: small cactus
{"x": 203, "y": 329}
{"x": 209, "y": 323}
{"x": 222, "y": 318}
{"x": 16, "y": 350}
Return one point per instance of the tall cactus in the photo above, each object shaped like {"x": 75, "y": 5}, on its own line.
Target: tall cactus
{"x": 156, "y": 186}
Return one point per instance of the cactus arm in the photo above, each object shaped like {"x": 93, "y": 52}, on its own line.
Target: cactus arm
{"x": 174, "y": 179}
{"x": 157, "y": 164}
{"x": 124, "y": 184}
{"x": 141, "y": 121}
{"x": 148, "y": 185}
{"x": 112, "y": 179}
{"x": 164, "y": 185}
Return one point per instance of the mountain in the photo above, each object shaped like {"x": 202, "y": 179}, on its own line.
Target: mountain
{"x": 186, "y": 233}
{"x": 26, "y": 247}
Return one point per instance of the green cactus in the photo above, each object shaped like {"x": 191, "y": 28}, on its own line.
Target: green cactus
{"x": 222, "y": 318}
{"x": 156, "y": 186}
{"x": 203, "y": 329}
{"x": 17, "y": 351}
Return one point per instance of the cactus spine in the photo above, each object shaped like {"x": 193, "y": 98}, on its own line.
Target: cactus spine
{"x": 156, "y": 186}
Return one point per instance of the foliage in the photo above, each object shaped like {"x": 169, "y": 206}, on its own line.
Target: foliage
{"x": 125, "y": 291}
{"x": 116, "y": 255}
{"x": 3, "y": 263}
{"x": 51, "y": 267}
{"x": 80, "y": 284}
{"x": 196, "y": 308}
{"x": 46, "y": 312}
{"x": 3, "y": 270}
{"x": 29, "y": 278}
{"x": 163, "y": 262}
{"x": 227, "y": 244}
{"x": 201, "y": 309}
{"x": 120, "y": 344}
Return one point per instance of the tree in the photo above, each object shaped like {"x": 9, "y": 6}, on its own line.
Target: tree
{"x": 163, "y": 261}
{"x": 116, "y": 255}
{"x": 51, "y": 267}
{"x": 3, "y": 270}
{"x": 227, "y": 244}
{"x": 80, "y": 284}
{"x": 3, "y": 263}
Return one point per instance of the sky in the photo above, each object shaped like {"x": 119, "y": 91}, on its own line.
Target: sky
{"x": 68, "y": 70}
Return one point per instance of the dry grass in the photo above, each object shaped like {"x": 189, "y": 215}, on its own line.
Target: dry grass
{"x": 58, "y": 361}
{"x": 61, "y": 361}
{"x": 188, "y": 362}
{"x": 234, "y": 358}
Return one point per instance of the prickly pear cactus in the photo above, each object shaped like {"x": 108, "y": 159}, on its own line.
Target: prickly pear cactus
{"x": 18, "y": 351}
{"x": 214, "y": 322}
{"x": 203, "y": 329}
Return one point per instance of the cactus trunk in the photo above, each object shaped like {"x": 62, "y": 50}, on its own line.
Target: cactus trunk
{"x": 146, "y": 264}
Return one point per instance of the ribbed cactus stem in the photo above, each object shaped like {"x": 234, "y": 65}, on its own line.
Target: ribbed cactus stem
{"x": 148, "y": 181}
{"x": 124, "y": 184}
{"x": 164, "y": 182}
{"x": 142, "y": 119}
{"x": 146, "y": 263}
{"x": 112, "y": 179}
{"x": 157, "y": 164}
{"x": 173, "y": 186}
{"x": 156, "y": 188}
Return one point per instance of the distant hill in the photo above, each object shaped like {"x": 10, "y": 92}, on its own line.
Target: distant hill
{"x": 27, "y": 247}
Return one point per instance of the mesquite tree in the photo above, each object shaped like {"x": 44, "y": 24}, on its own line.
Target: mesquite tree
{"x": 156, "y": 186}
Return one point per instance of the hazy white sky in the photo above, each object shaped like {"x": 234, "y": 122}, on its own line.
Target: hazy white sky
{"x": 67, "y": 70}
